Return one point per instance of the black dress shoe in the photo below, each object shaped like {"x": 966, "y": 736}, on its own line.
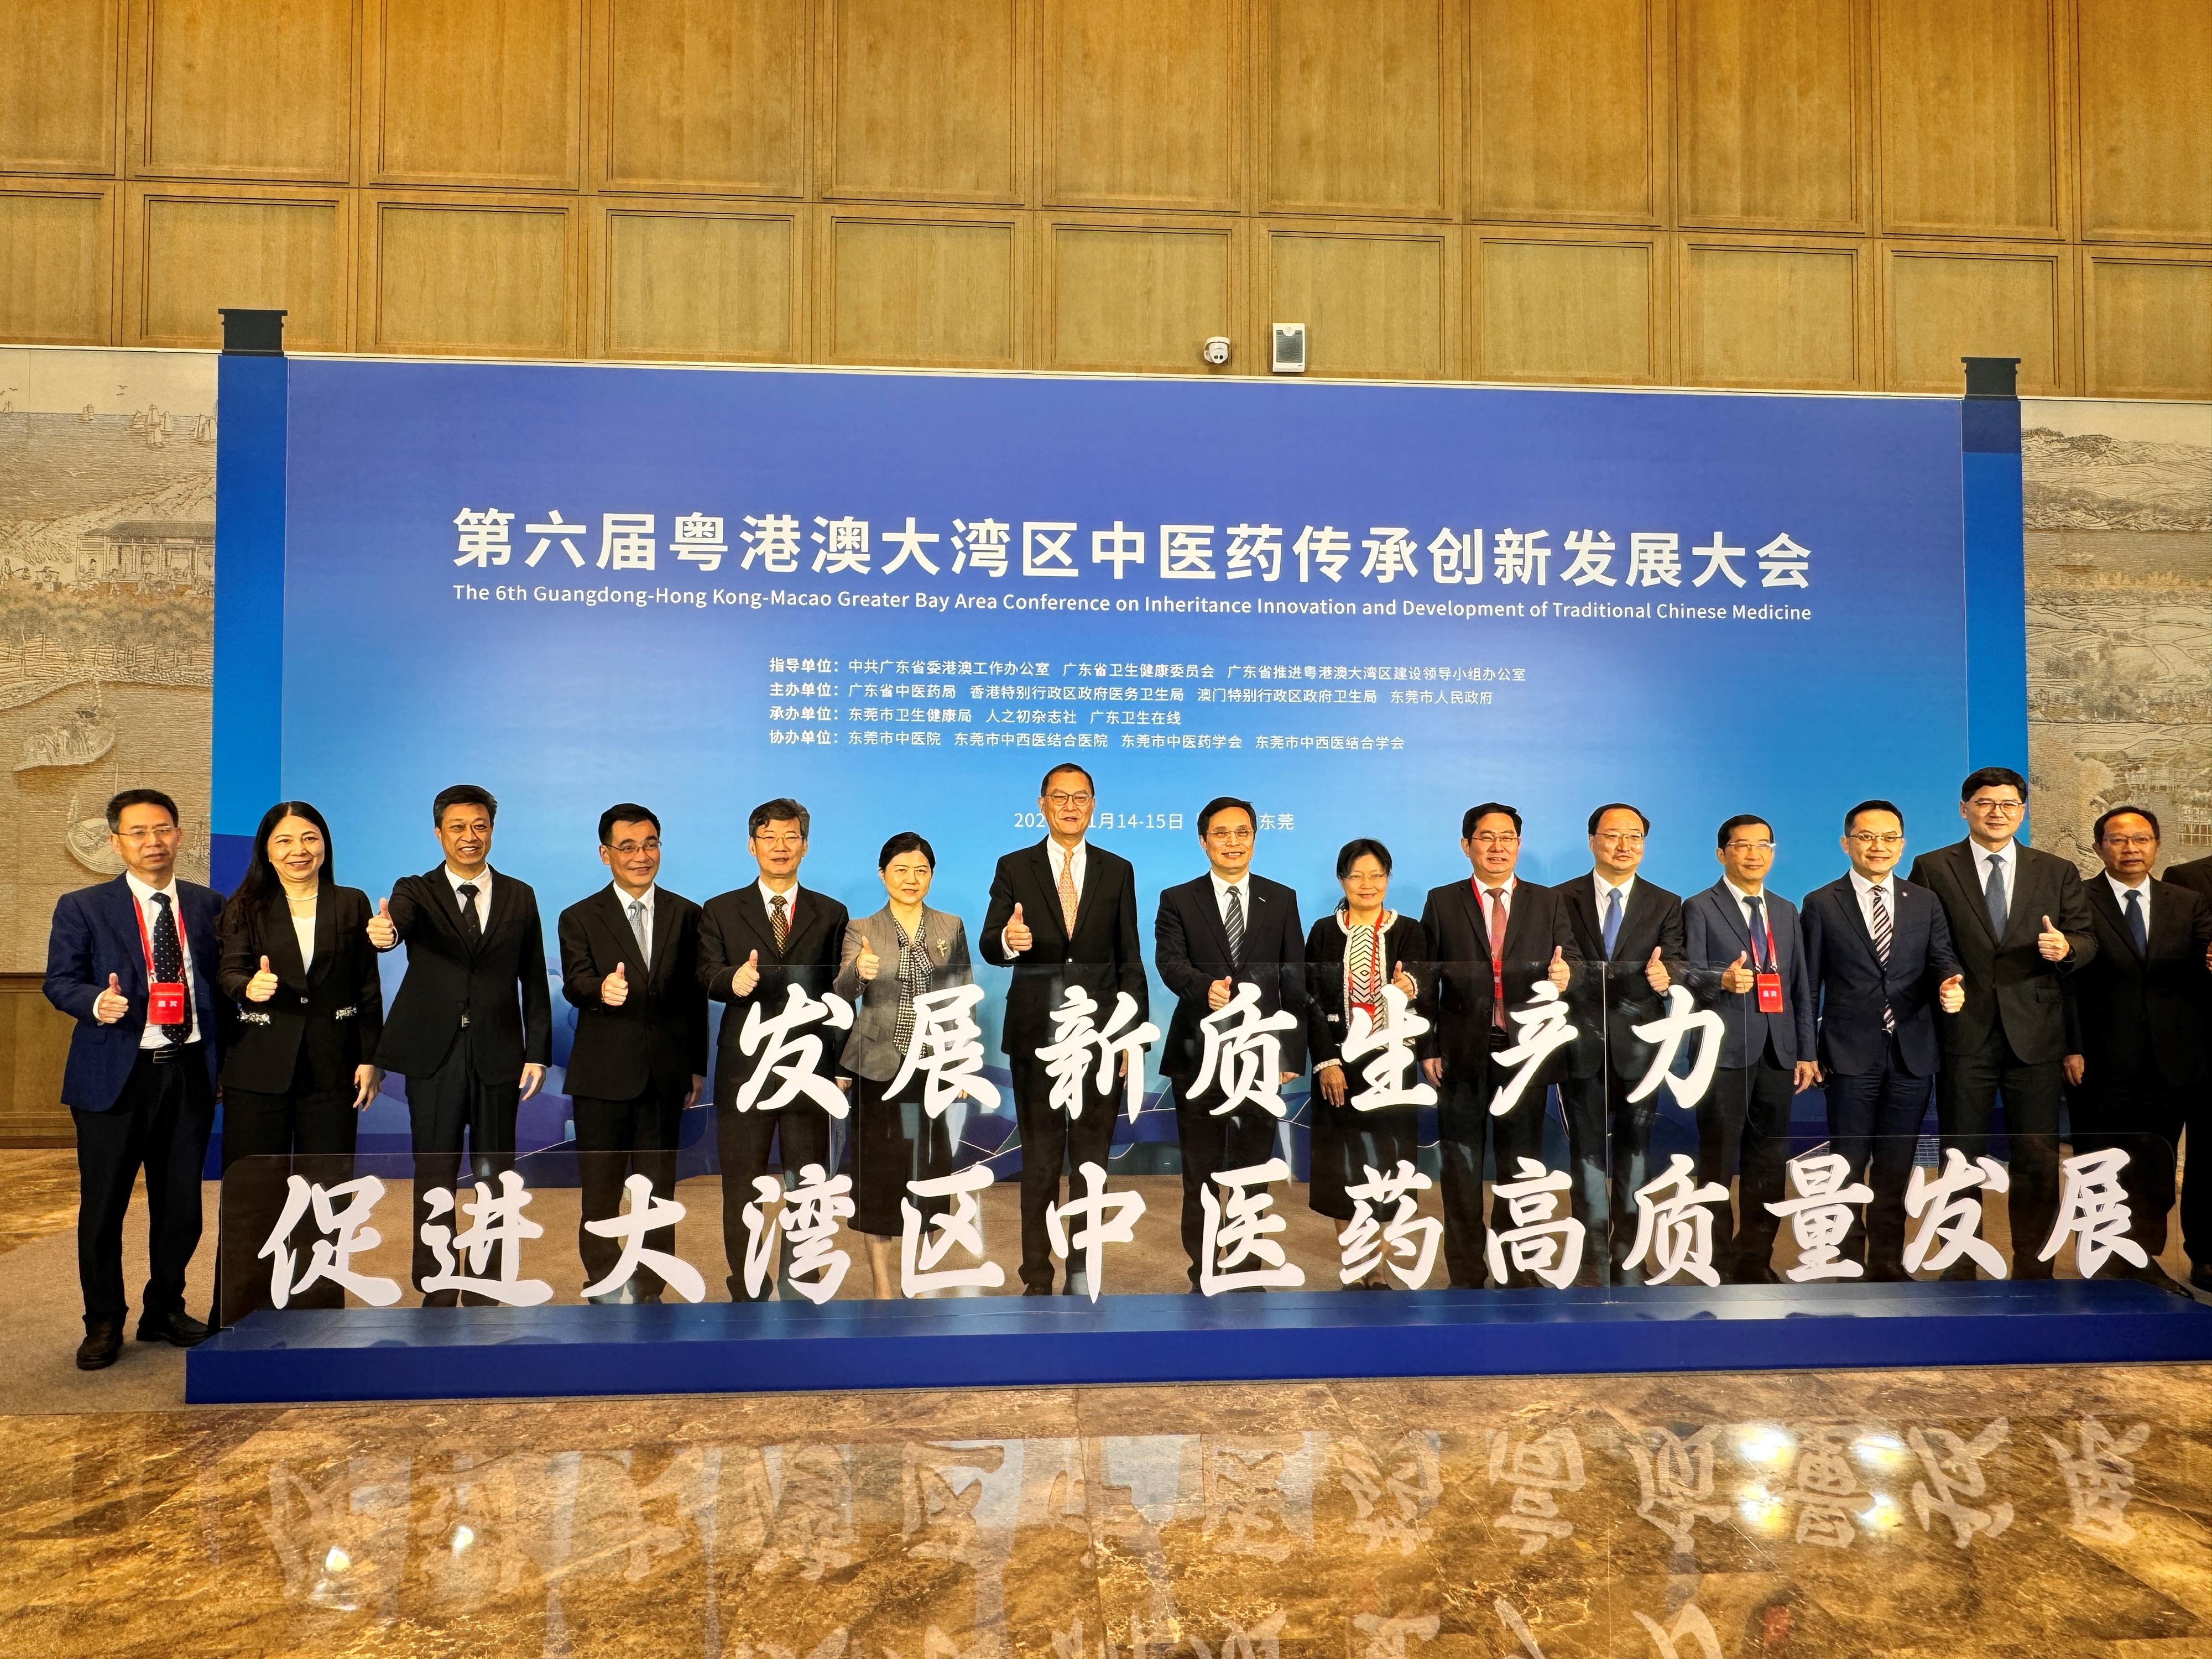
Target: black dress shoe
{"x": 2200, "y": 1277}
{"x": 648, "y": 1298}
{"x": 103, "y": 1341}
{"x": 176, "y": 1328}
{"x": 2153, "y": 1273}
{"x": 1036, "y": 1290}
{"x": 441, "y": 1298}
{"x": 1960, "y": 1272}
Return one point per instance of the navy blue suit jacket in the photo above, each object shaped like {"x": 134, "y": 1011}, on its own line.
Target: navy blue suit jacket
{"x": 1851, "y": 983}
{"x": 95, "y": 933}
{"x": 1714, "y": 933}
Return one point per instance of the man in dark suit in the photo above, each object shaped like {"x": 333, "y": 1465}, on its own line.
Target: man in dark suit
{"x": 1766, "y": 1051}
{"x": 1634, "y": 928}
{"x": 2020, "y": 924}
{"x": 755, "y": 943}
{"x": 1063, "y": 913}
{"x": 2196, "y": 876}
{"x": 2136, "y": 1034}
{"x": 1226, "y": 930}
{"x": 629, "y": 965}
{"x": 1491, "y": 938}
{"x": 472, "y": 1027}
{"x": 133, "y": 962}
{"x": 1878, "y": 954}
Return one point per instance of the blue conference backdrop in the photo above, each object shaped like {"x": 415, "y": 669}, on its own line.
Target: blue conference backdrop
{"x": 901, "y": 597}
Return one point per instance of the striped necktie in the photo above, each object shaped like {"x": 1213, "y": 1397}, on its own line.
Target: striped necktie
{"x": 1235, "y": 925}
{"x": 1881, "y": 931}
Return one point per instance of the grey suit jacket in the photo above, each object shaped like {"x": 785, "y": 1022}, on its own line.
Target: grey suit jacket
{"x": 869, "y": 1051}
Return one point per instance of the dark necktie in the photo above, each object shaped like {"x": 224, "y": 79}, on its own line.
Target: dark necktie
{"x": 168, "y": 961}
{"x": 778, "y": 924}
{"x": 1757, "y": 929}
{"x": 471, "y": 929}
{"x": 2138, "y": 930}
{"x": 1993, "y": 895}
{"x": 1881, "y": 933}
{"x": 1612, "y": 920}
{"x": 1235, "y": 925}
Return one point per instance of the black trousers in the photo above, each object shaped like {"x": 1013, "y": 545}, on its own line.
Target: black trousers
{"x": 1236, "y": 1140}
{"x": 450, "y": 1103}
{"x": 895, "y": 1141}
{"x": 614, "y": 1139}
{"x": 159, "y": 1122}
{"x": 1051, "y": 1143}
{"x": 1344, "y": 1143}
{"x": 1608, "y": 1136}
{"x": 2143, "y": 1116}
{"x": 266, "y": 1140}
{"x": 1463, "y": 1122}
{"x": 1874, "y": 1119}
{"x": 1966, "y": 1090}
{"x": 1743, "y": 1130}
{"x": 800, "y": 1135}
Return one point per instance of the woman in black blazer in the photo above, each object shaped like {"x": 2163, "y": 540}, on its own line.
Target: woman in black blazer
{"x": 1350, "y": 956}
{"x": 300, "y": 1064}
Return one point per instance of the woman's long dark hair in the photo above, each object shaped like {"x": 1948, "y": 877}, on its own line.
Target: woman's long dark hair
{"x": 261, "y": 878}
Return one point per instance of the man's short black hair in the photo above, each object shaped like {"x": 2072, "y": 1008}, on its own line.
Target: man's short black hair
{"x": 2143, "y": 812}
{"x": 1222, "y": 803}
{"x": 1992, "y": 777}
{"x": 1888, "y": 806}
{"x": 627, "y": 812}
{"x": 463, "y": 794}
{"x": 1044, "y": 784}
{"x": 781, "y": 810}
{"x": 1738, "y": 821}
{"x": 1598, "y": 817}
{"x": 137, "y": 797}
{"x": 1476, "y": 814}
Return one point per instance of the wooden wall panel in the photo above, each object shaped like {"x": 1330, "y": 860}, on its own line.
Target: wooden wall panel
{"x": 922, "y": 100}
{"x": 1360, "y": 106}
{"x": 243, "y": 89}
{"x": 472, "y": 275}
{"x": 1960, "y": 300}
{"x": 1771, "y": 120}
{"x": 56, "y": 263}
{"x": 944, "y": 290}
{"x": 677, "y": 283}
{"x": 59, "y": 85}
{"x": 1566, "y": 309}
{"x": 2147, "y": 329}
{"x": 2144, "y": 68}
{"x": 1970, "y": 129}
{"x": 1144, "y": 103}
{"x": 1773, "y": 314}
{"x": 485, "y": 93}
{"x": 34, "y": 1042}
{"x": 1375, "y": 303}
{"x": 190, "y": 251}
{"x": 1566, "y": 111}
{"x": 1138, "y": 295}
{"x": 705, "y": 95}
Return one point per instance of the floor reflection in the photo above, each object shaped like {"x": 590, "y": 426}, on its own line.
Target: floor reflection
{"x": 1993, "y": 1512}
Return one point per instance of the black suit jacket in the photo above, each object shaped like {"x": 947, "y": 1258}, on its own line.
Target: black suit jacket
{"x": 1849, "y": 983}
{"x": 1651, "y": 922}
{"x": 1457, "y": 997}
{"x": 499, "y": 982}
{"x": 2133, "y": 1015}
{"x": 657, "y": 1039}
{"x": 332, "y": 1008}
{"x": 1191, "y": 950}
{"x": 2196, "y": 876}
{"x": 1326, "y": 1027}
{"x": 2010, "y": 987}
{"x": 1103, "y": 957}
{"x": 734, "y": 924}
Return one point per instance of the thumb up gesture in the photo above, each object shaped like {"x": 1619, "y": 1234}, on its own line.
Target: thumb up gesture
{"x": 111, "y": 1005}
{"x": 746, "y": 980}
{"x": 614, "y": 989}
{"x": 2051, "y": 944}
{"x": 1656, "y": 975}
{"x": 1557, "y": 970}
{"x": 1220, "y": 993}
{"x": 381, "y": 933}
{"x": 262, "y": 985}
{"x": 1404, "y": 982}
{"x": 1018, "y": 938}
{"x": 868, "y": 963}
{"x": 1737, "y": 977}
{"x": 1951, "y": 994}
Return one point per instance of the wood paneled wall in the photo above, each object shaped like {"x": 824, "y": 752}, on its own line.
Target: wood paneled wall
{"x": 1815, "y": 193}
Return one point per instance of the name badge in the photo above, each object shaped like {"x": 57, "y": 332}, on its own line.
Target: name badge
{"x": 1770, "y": 993}
{"x": 165, "y": 1003}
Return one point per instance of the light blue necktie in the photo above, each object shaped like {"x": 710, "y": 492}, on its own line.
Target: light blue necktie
{"x": 1612, "y": 918}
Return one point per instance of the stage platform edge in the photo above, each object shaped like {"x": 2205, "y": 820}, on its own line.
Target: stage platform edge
{"x": 1007, "y": 1342}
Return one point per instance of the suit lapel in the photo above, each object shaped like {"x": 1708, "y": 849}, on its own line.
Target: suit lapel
{"x": 1210, "y": 908}
{"x": 1847, "y": 895}
{"x": 2099, "y": 894}
{"x": 326, "y": 933}
{"x": 1966, "y": 867}
{"x": 1582, "y": 894}
{"x": 1040, "y": 865}
{"x": 280, "y": 943}
{"x": 128, "y": 920}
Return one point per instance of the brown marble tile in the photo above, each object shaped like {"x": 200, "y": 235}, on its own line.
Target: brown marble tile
{"x": 38, "y": 1195}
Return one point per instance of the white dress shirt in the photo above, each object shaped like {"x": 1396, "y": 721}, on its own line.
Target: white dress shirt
{"x": 790, "y": 903}
{"x": 151, "y": 1038}
{"x": 2120, "y": 891}
{"x": 483, "y": 881}
{"x": 1221, "y": 888}
{"x": 1866, "y": 890}
{"x": 1075, "y": 860}
{"x": 303, "y": 929}
{"x": 1758, "y": 935}
{"x": 645, "y": 920}
{"x": 1605, "y": 888}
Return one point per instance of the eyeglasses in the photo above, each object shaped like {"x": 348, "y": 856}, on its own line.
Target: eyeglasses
{"x": 2131, "y": 841}
{"x": 1864, "y": 839}
{"x": 1751, "y": 846}
{"x": 139, "y": 836}
{"x": 630, "y": 848}
{"x": 2010, "y": 809}
{"x": 1224, "y": 833}
{"x": 1062, "y": 798}
{"x": 1620, "y": 837}
{"x": 1493, "y": 838}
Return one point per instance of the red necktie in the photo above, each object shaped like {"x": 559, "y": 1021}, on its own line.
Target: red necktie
{"x": 1497, "y": 955}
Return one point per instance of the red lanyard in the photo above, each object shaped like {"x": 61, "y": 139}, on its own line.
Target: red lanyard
{"x": 145, "y": 941}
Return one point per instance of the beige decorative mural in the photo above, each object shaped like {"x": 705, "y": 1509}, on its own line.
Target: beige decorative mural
{"x": 107, "y": 622}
